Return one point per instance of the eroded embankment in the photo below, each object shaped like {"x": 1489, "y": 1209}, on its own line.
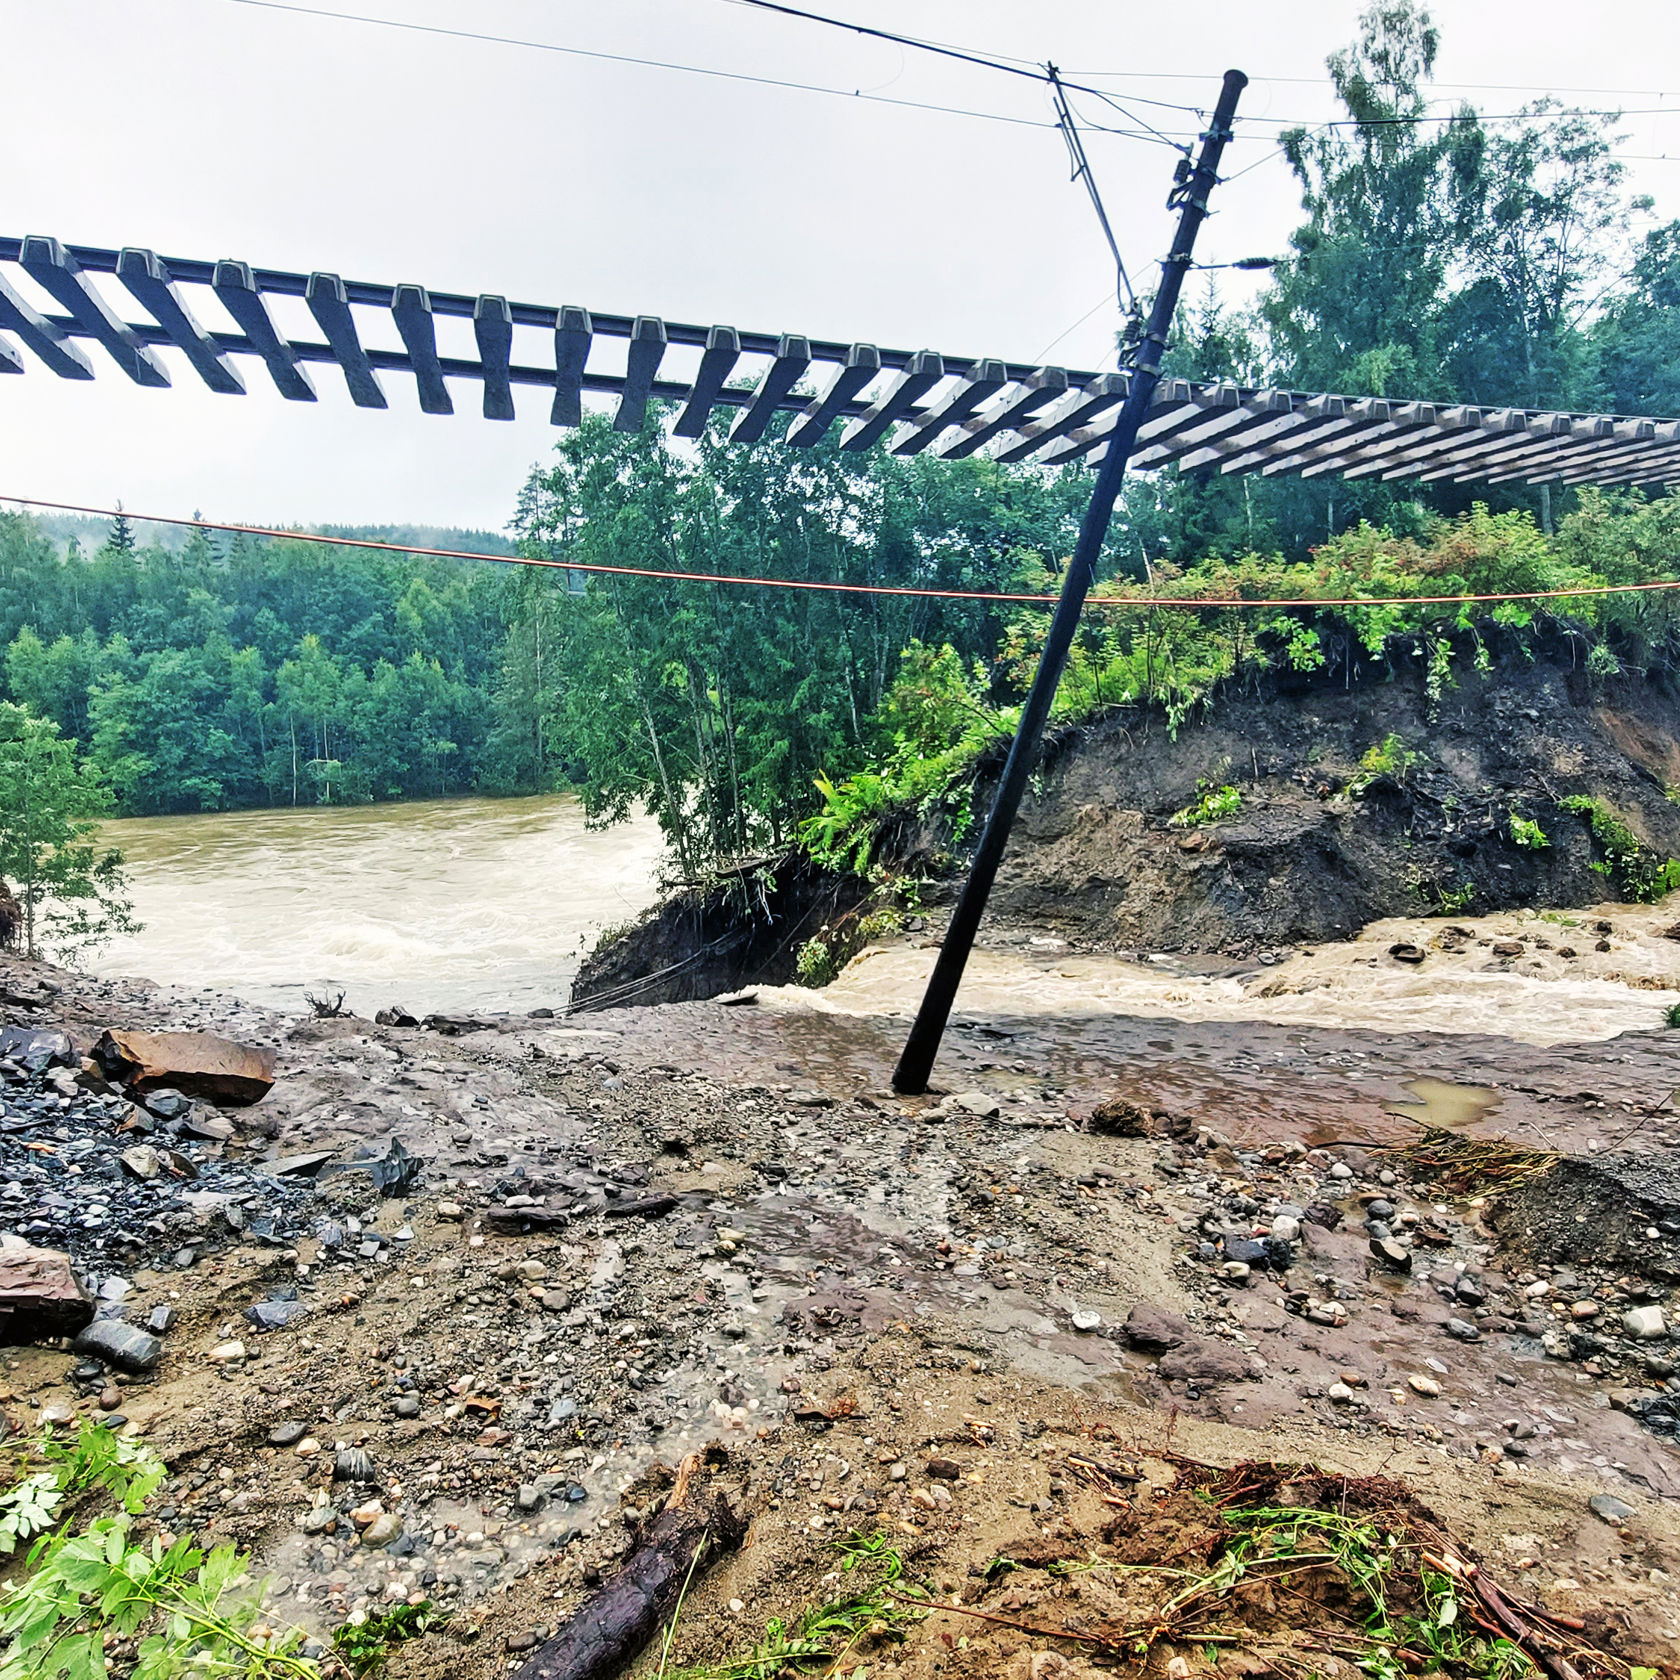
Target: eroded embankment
{"x": 1353, "y": 803}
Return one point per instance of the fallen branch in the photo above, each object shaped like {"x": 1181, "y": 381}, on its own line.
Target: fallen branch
{"x": 619, "y": 1618}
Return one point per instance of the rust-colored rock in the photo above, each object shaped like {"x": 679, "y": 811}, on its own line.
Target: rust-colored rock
{"x": 40, "y": 1295}
{"x": 197, "y": 1064}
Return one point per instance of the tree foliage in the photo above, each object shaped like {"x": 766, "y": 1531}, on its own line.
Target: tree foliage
{"x": 70, "y": 891}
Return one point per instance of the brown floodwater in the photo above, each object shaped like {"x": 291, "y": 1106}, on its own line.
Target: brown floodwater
{"x": 446, "y": 905}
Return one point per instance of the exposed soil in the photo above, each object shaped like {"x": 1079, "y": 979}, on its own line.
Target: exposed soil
{"x": 843, "y": 1288}
{"x": 1097, "y": 863}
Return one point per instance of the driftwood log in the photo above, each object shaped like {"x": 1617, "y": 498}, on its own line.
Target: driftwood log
{"x": 620, "y": 1617}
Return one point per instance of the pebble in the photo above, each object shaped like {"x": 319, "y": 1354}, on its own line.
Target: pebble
{"x": 1236, "y": 1271}
{"x": 1424, "y": 1385}
{"x": 1286, "y": 1229}
{"x": 287, "y": 1434}
{"x": 227, "y": 1353}
{"x": 1086, "y": 1319}
{"x": 1645, "y": 1324}
{"x": 1341, "y": 1170}
{"x": 1339, "y": 1393}
{"x": 451, "y": 1211}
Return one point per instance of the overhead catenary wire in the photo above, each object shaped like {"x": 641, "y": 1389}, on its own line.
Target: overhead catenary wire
{"x": 600, "y": 55}
{"x": 1197, "y": 603}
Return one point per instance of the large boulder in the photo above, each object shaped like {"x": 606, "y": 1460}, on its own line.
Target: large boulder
{"x": 197, "y": 1064}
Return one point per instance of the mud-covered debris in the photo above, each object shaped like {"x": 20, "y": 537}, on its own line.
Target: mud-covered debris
{"x": 395, "y": 1173}
{"x": 40, "y": 1295}
{"x": 193, "y": 1063}
{"x": 696, "y": 1526}
{"x": 395, "y": 1016}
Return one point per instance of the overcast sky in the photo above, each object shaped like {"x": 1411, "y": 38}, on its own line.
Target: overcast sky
{"x": 211, "y": 128}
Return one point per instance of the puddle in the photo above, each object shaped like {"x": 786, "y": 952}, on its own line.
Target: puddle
{"x": 1445, "y": 1106}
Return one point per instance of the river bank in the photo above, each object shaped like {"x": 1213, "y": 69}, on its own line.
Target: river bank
{"x": 1132, "y": 1231}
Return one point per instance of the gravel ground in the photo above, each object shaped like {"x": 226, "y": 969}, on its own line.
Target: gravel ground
{"x": 705, "y": 1226}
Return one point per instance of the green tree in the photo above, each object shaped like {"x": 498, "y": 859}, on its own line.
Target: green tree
{"x": 71, "y": 892}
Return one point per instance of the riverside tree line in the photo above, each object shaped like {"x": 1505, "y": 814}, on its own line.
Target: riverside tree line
{"x": 1440, "y": 256}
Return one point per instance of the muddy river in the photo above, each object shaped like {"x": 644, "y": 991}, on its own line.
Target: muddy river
{"x": 445, "y": 905}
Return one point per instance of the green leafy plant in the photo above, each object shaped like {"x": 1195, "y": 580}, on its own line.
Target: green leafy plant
{"x": 85, "y": 1601}
{"x": 1671, "y": 1016}
{"x": 817, "y": 962}
{"x": 1210, "y": 805}
{"x": 824, "y": 1637}
{"x": 364, "y": 1645}
{"x": 1529, "y": 835}
{"x": 1639, "y": 873}
{"x": 1390, "y": 758}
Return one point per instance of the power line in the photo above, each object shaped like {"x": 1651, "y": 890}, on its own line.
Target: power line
{"x": 1010, "y": 66}
{"x": 629, "y": 58}
{"x": 1200, "y": 603}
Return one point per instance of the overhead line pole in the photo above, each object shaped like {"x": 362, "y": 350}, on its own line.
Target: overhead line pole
{"x": 916, "y": 1062}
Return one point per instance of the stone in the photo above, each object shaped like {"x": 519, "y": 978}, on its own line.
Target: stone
{"x": 142, "y": 1162}
{"x": 406, "y": 1405}
{"x": 1424, "y": 1385}
{"x": 274, "y": 1315}
{"x": 384, "y": 1528}
{"x": 1608, "y": 1508}
{"x": 944, "y": 1469}
{"x": 1645, "y": 1324}
{"x": 1584, "y": 1309}
{"x": 1286, "y": 1229}
{"x": 1341, "y": 1170}
{"x": 1236, "y": 1271}
{"x": 124, "y": 1345}
{"x": 40, "y": 1295}
{"x": 1149, "y": 1329}
{"x": 1339, "y": 1393}
{"x": 977, "y": 1103}
{"x": 196, "y": 1064}
{"x": 451, "y": 1211}
{"x": 352, "y": 1465}
{"x": 529, "y": 1497}
{"x": 1086, "y": 1320}
{"x": 287, "y": 1434}
{"x": 1203, "y": 1360}
{"x": 1392, "y": 1254}
{"x": 1462, "y": 1330}
{"x": 160, "y": 1319}
{"x": 1378, "y": 1208}
{"x": 227, "y": 1353}
{"x": 1469, "y": 1291}
{"x": 35, "y": 1049}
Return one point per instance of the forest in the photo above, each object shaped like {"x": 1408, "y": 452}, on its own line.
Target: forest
{"x": 1493, "y": 260}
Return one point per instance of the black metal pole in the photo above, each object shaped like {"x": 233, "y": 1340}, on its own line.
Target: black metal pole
{"x": 916, "y": 1061}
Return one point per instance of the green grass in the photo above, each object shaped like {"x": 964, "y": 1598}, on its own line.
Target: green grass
{"x": 822, "y": 1638}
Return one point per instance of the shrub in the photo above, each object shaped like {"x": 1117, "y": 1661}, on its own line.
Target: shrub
{"x": 1529, "y": 835}
{"x": 1209, "y": 806}
{"x": 1391, "y": 757}
{"x": 1638, "y": 872}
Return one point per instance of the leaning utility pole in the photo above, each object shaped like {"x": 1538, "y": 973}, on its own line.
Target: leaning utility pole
{"x": 1191, "y": 199}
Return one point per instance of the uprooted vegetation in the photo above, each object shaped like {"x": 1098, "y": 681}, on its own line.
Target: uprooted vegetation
{"x": 1273, "y": 1567}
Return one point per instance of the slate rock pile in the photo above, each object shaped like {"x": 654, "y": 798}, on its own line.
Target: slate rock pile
{"x": 118, "y": 1180}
